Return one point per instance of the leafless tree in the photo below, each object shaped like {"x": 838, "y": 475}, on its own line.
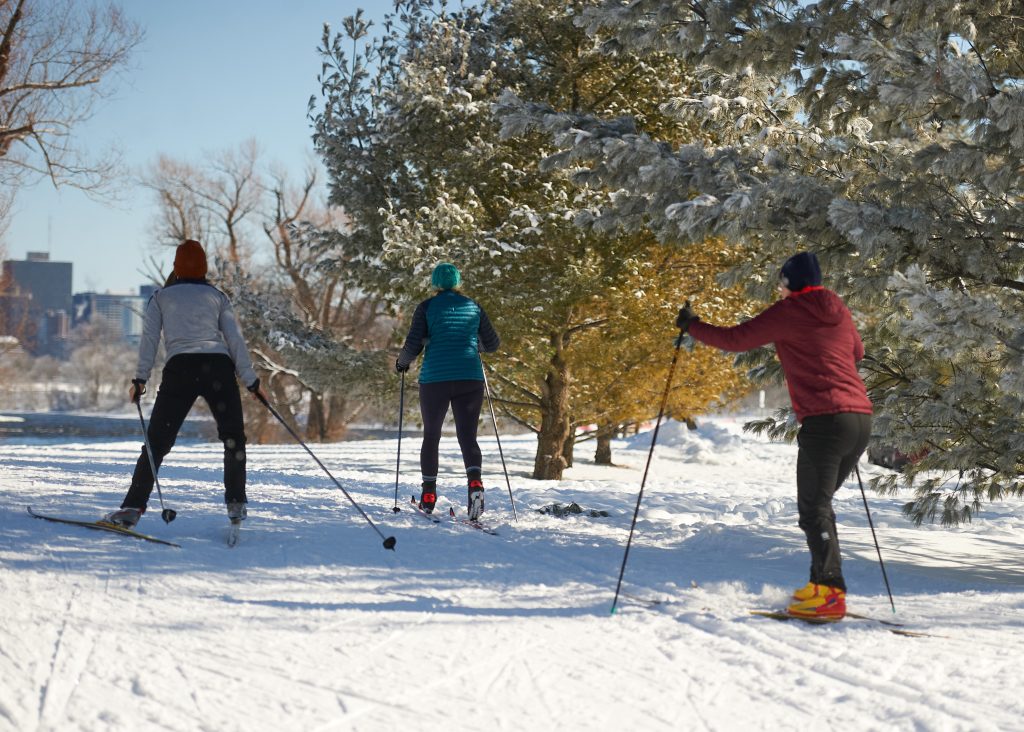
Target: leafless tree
{"x": 16, "y": 324}
{"x": 224, "y": 202}
{"x": 210, "y": 202}
{"x": 323, "y": 296}
{"x": 56, "y": 60}
{"x": 98, "y": 363}
{"x": 181, "y": 217}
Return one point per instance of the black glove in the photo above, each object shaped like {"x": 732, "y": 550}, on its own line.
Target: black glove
{"x": 401, "y": 367}
{"x": 254, "y": 387}
{"x": 686, "y": 317}
{"x": 138, "y": 389}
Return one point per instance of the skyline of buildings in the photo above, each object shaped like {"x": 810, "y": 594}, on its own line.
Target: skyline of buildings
{"x": 40, "y": 311}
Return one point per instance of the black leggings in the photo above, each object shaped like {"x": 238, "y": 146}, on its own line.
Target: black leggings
{"x": 830, "y": 446}
{"x": 466, "y": 397}
{"x": 185, "y": 378}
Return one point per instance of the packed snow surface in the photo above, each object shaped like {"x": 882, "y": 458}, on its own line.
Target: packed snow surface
{"x": 310, "y": 624}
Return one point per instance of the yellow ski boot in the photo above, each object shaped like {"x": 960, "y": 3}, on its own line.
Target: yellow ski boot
{"x": 827, "y": 603}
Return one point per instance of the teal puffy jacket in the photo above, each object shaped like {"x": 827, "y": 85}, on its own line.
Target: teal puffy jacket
{"x": 454, "y": 329}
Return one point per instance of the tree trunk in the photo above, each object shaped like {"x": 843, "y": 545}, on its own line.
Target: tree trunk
{"x": 603, "y": 453}
{"x": 316, "y": 422}
{"x": 568, "y": 446}
{"x": 257, "y": 427}
{"x": 328, "y": 417}
{"x": 338, "y": 417}
{"x": 279, "y": 398}
{"x": 554, "y": 425}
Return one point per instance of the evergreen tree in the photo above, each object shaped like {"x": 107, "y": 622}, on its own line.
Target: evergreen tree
{"x": 415, "y": 158}
{"x": 886, "y": 135}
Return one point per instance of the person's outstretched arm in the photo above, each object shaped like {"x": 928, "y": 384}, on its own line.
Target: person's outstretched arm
{"x": 765, "y": 328}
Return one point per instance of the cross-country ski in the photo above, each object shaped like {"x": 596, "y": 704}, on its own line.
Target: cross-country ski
{"x": 414, "y": 506}
{"x": 100, "y": 525}
{"x": 892, "y": 627}
{"x": 466, "y": 521}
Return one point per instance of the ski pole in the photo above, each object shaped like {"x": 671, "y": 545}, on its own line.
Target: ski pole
{"x": 873, "y": 536}
{"x": 389, "y": 542}
{"x": 398, "y": 459}
{"x": 490, "y": 403}
{"x": 167, "y": 514}
{"x": 650, "y": 453}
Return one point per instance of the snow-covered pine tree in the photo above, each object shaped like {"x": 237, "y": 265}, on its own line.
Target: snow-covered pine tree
{"x": 415, "y": 158}
{"x": 300, "y": 358}
{"x": 887, "y": 136}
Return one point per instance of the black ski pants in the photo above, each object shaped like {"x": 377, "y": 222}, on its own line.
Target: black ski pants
{"x": 185, "y": 378}
{"x": 830, "y": 446}
{"x": 466, "y": 397}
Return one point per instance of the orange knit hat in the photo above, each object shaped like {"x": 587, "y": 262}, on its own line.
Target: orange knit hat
{"x": 190, "y": 261}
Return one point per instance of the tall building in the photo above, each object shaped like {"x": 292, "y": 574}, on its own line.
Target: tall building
{"x": 120, "y": 314}
{"x": 36, "y": 303}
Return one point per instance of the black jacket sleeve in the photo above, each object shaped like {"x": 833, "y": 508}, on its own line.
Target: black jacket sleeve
{"x": 489, "y": 340}
{"x": 417, "y": 337}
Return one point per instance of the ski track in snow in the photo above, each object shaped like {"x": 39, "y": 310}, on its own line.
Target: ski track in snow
{"x": 308, "y": 623}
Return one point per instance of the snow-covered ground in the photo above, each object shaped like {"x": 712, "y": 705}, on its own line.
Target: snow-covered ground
{"x": 310, "y": 624}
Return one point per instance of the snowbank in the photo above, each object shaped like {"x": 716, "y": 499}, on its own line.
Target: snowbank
{"x": 710, "y": 443}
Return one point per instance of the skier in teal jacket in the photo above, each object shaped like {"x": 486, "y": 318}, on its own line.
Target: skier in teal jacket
{"x": 453, "y": 329}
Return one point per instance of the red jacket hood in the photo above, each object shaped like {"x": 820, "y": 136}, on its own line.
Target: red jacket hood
{"x": 817, "y": 305}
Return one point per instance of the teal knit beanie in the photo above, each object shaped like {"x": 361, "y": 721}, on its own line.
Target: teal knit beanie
{"x": 445, "y": 276}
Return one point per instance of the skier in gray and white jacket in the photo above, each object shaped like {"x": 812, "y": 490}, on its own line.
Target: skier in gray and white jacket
{"x": 205, "y": 350}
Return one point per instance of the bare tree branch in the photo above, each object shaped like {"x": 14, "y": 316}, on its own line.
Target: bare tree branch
{"x": 56, "y": 60}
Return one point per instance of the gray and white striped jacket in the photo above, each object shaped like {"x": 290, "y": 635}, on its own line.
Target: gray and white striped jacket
{"x": 195, "y": 317}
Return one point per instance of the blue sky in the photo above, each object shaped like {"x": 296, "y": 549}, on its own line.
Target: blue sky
{"x": 208, "y": 75}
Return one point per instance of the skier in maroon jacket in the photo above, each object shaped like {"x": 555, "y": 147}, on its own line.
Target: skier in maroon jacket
{"x": 819, "y": 347}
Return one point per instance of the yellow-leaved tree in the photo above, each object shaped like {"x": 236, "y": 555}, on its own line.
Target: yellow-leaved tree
{"x": 622, "y": 369}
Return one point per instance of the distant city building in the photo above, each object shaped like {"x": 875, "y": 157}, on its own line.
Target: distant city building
{"x": 48, "y": 282}
{"x": 38, "y": 310}
{"x": 36, "y": 302}
{"x": 120, "y": 314}
{"x": 54, "y": 330}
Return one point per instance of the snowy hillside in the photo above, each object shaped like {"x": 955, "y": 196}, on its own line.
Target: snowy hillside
{"x": 309, "y": 624}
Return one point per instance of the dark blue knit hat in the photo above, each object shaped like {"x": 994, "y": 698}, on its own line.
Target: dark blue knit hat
{"x": 445, "y": 276}
{"x": 800, "y": 271}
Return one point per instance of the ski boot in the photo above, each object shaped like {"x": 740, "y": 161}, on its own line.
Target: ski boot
{"x": 827, "y": 603}
{"x": 806, "y": 592}
{"x": 125, "y": 518}
{"x": 237, "y": 512}
{"x": 428, "y": 497}
{"x": 476, "y": 499}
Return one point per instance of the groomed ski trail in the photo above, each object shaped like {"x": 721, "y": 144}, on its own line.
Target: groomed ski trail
{"x": 323, "y": 629}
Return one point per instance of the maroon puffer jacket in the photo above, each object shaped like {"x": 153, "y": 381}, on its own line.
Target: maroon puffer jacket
{"x": 817, "y": 344}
